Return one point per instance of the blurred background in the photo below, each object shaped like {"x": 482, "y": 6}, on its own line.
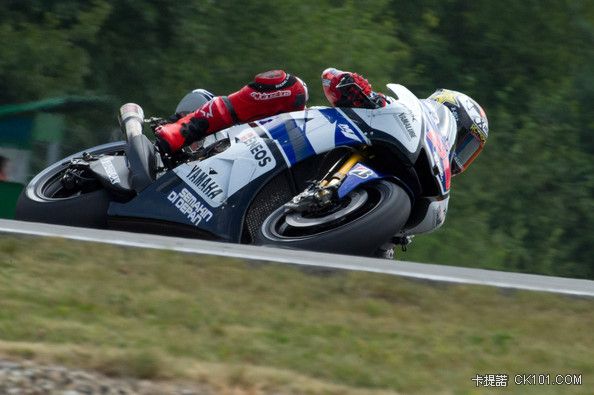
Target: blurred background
{"x": 526, "y": 205}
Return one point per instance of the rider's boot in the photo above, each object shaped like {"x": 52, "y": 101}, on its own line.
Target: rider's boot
{"x": 270, "y": 93}
{"x": 346, "y": 89}
{"x": 214, "y": 115}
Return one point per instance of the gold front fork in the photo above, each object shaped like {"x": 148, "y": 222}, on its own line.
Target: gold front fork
{"x": 318, "y": 196}
{"x": 342, "y": 172}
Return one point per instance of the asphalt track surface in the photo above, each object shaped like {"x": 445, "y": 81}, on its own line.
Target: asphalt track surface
{"x": 424, "y": 271}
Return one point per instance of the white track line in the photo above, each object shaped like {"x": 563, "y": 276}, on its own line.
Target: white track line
{"x": 401, "y": 268}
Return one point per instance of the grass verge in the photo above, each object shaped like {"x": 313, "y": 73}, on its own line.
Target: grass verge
{"x": 265, "y": 327}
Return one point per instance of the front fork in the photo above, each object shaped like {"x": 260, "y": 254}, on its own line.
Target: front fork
{"x": 320, "y": 194}
{"x": 336, "y": 179}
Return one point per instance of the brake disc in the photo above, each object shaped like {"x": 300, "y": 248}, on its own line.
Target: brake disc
{"x": 357, "y": 200}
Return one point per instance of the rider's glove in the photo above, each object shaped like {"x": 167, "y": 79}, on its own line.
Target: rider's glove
{"x": 346, "y": 89}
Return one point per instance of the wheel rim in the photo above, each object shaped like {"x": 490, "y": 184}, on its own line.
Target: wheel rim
{"x": 287, "y": 225}
{"x": 53, "y": 189}
{"x": 354, "y": 202}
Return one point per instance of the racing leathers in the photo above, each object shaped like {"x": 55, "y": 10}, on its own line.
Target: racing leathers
{"x": 272, "y": 92}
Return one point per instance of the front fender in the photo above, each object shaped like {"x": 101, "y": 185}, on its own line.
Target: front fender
{"x": 361, "y": 174}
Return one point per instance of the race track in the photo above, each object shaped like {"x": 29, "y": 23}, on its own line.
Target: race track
{"x": 400, "y": 268}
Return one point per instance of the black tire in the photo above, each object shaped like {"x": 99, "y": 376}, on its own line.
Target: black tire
{"x": 383, "y": 213}
{"x": 38, "y": 201}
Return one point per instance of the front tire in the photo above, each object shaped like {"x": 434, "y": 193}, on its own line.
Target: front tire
{"x": 366, "y": 219}
{"x": 45, "y": 200}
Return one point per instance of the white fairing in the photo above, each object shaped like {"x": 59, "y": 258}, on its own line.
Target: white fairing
{"x": 439, "y": 139}
{"x": 400, "y": 118}
{"x": 444, "y": 121}
{"x": 433, "y": 219}
{"x": 220, "y": 176}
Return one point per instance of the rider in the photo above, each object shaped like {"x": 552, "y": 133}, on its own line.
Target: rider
{"x": 276, "y": 91}
{"x": 272, "y": 92}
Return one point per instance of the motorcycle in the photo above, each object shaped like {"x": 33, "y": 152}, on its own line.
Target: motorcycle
{"x": 341, "y": 180}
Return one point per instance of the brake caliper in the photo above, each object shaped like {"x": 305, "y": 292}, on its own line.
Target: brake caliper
{"x": 314, "y": 198}
{"x": 74, "y": 177}
{"x": 320, "y": 194}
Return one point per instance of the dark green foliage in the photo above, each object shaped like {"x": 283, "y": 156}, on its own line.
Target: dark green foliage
{"x": 527, "y": 204}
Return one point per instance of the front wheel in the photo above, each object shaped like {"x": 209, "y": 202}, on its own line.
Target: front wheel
{"x": 358, "y": 224}
{"x": 46, "y": 199}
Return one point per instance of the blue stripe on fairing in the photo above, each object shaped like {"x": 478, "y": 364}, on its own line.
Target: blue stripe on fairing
{"x": 291, "y": 138}
{"x": 334, "y": 115}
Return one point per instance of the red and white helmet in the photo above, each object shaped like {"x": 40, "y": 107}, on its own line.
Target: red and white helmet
{"x": 473, "y": 127}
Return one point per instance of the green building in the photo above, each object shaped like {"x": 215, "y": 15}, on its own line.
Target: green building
{"x": 23, "y": 125}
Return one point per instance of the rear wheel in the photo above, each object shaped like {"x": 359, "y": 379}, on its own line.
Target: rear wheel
{"x": 47, "y": 199}
{"x": 357, "y": 224}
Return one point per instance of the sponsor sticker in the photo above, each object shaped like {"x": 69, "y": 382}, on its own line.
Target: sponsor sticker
{"x": 477, "y": 115}
{"x": 348, "y": 132}
{"x": 202, "y": 182}
{"x": 446, "y": 96}
{"x": 207, "y": 111}
{"x": 405, "y": 121}
{"x": 361, "y": 171}
{"x": 269, "y": 96}
{"x": 190, "y": 206}
{"x": 440, "y": 216}
{"x": 110, "y": 170}
{"x": 258, "y": 149}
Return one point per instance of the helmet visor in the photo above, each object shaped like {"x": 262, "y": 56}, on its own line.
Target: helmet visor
{"x": 467, "y": 149}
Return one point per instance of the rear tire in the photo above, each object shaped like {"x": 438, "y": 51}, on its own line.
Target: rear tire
{"x": 379, "y": 211}
{"x": 43, "y": 200}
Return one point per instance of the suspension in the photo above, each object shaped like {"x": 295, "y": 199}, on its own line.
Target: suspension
{"x": 319, "y": 195}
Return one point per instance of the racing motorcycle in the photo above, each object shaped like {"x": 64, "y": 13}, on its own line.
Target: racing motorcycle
{"x": 341, "y": 180}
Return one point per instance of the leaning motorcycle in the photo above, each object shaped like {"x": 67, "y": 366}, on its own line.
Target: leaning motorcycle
{"x": 340, "y": 180}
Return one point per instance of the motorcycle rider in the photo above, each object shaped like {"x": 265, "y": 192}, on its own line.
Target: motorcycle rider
{"x": 276, "y": 91}
{"x": 272, "y": 92}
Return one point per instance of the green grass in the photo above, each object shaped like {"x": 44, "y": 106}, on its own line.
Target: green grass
{"x": 165, "y": 315}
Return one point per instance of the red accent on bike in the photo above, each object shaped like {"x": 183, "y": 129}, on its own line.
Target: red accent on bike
{"x": 440, "y": 146}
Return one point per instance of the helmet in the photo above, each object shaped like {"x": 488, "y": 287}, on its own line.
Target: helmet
{"x": 473, "y": 127}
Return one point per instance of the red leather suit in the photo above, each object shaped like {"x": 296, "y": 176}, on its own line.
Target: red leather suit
{"x": 271, "y": 92}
